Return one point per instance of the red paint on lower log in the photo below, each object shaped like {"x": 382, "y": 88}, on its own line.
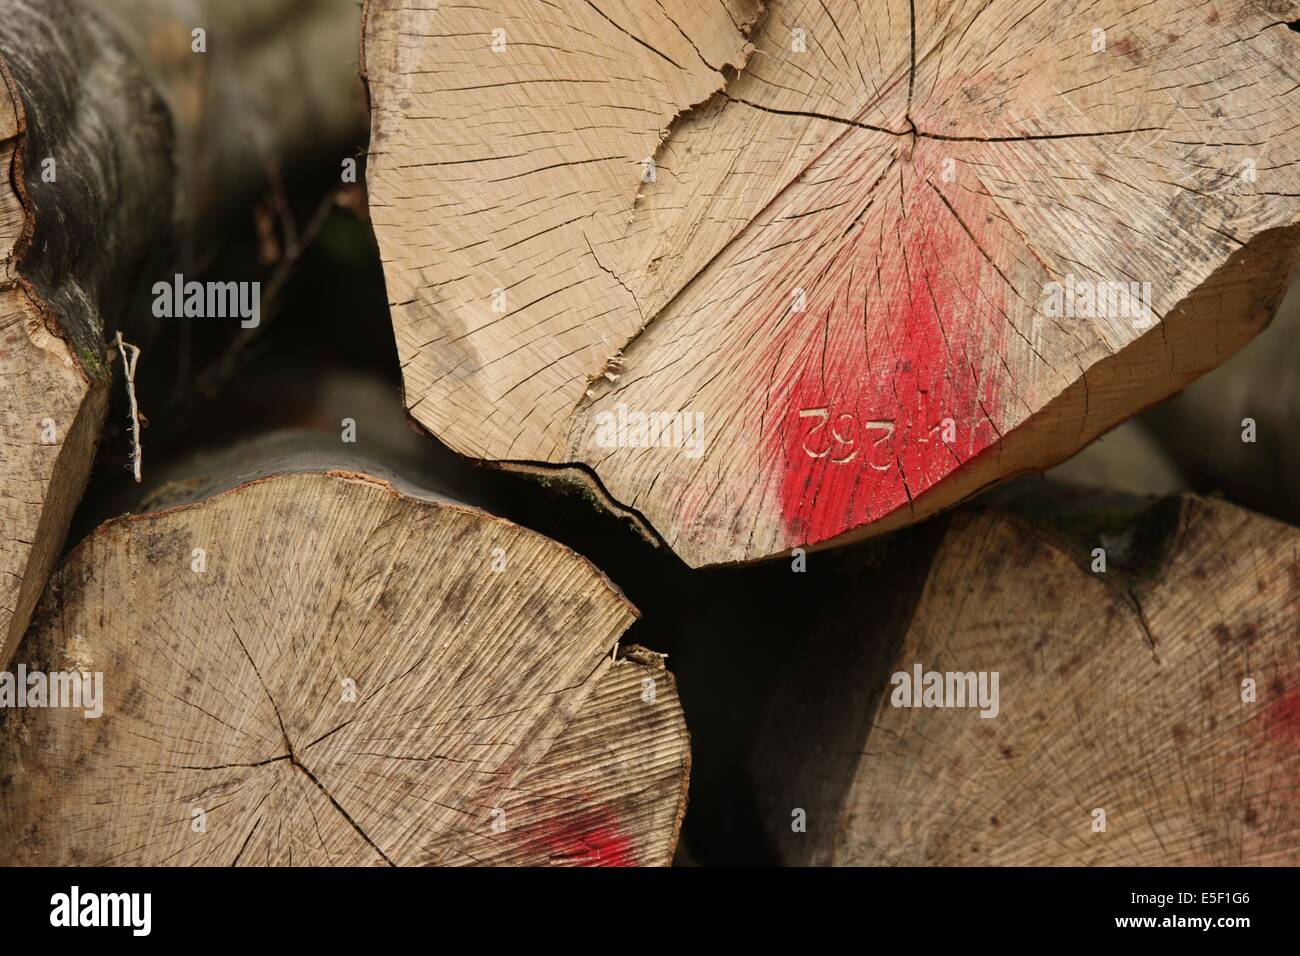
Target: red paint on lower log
{"x": 1279, "y": 724}
{"x": 1282, "y": 718}
{"x": 587, "y": 838}
{"x": 903, "y": 330}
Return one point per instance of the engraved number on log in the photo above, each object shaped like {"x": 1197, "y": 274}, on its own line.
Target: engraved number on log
{"x": 841, "y": 436}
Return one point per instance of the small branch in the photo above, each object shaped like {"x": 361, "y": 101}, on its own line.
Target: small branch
{"x": 128, "y": 368}
{"x": 297, "y": 245}
{"x": 211, "y": 378}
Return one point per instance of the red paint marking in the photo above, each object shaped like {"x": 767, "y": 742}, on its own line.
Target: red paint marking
{"x": 585, "y": 838}
{"x": 1282, "y": 718}
{"x": 1279, "y": 724}
{"x": 903, "y": 329}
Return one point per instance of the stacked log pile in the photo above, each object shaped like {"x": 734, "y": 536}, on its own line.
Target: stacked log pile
{"x": 760, "y": 309}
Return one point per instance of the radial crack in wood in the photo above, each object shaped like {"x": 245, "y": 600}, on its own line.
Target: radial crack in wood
{"x": 320, "y": 667}
{"x": 784, "y": 275}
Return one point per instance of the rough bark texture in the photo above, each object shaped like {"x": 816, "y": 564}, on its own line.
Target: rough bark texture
{"x": 491, "y": 723}
{"x": 71, "y": 248}
{"x": 854, "y": 214}
{"x": 1120, "y": 691}
{"x": 144, "y": 135}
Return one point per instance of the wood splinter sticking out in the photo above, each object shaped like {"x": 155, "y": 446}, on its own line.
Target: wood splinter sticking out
{"x": 311, "y": 661}
{"x": 130, "y": 358}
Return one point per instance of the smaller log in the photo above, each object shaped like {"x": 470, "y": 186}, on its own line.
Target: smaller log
{"x": 308, "y": 660}
{"x": 1144, "y": 715}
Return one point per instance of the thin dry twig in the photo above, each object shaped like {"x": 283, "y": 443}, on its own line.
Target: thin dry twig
{"x": 128, "y": 368}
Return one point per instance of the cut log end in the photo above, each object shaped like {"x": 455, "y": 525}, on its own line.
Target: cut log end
{"x": 311, "y": 668}
{"x": 830, "y": 268}
{"x": 1143, "y": 715}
